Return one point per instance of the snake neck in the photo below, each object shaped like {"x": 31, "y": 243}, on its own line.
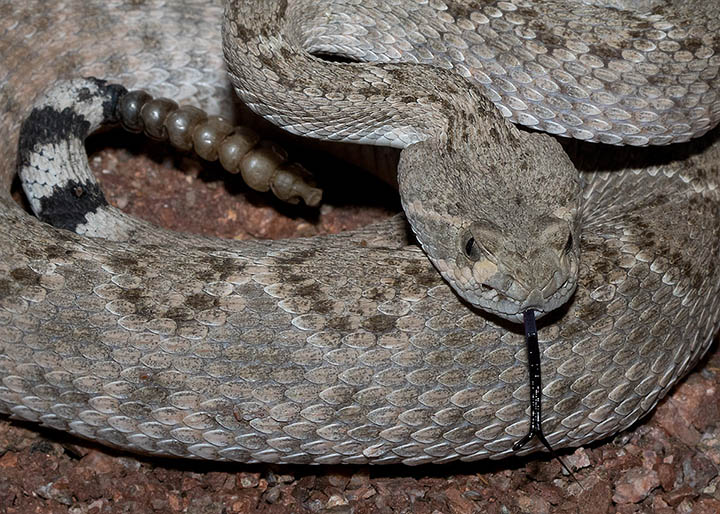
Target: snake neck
{"x": 272, "y": 71}
{"x": 496, "y": 210}
{"x": 596, "y": 70}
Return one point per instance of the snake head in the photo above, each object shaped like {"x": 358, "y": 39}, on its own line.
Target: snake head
{"x": 502, "y": 229}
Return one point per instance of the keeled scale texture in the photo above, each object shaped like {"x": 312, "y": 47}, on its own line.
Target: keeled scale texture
{"x": 341, "y": 349}
{"x": 566, "y": 68}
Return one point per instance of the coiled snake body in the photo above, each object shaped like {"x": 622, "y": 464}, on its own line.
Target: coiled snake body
{"x": 351, "y": 348}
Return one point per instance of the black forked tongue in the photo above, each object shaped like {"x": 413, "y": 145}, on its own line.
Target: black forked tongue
{"x": 536, "y": 431}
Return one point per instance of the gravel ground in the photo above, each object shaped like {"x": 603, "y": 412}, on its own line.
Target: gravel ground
{"x": 669, "y": 463}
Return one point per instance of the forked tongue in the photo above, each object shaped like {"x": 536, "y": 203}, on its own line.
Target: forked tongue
{"x": 536, "y": 431}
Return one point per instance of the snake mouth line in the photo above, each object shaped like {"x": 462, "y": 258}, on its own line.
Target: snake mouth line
{"x": 498, "y": 303}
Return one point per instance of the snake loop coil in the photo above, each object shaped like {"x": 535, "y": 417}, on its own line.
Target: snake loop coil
{"x": 351, "y": 348}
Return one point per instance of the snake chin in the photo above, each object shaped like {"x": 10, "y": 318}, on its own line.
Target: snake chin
{"x": 510, "y": 301}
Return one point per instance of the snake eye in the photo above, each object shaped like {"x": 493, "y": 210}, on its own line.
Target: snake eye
{"x": 568, "y": 244}
{"x": 472, "y": 249}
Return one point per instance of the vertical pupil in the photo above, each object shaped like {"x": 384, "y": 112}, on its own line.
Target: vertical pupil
{"x": 469, "y": 246}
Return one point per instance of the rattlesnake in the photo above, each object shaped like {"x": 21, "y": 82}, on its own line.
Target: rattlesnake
{"x": 346, "y": 348}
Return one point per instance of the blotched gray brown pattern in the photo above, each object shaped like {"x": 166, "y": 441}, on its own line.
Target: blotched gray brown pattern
{"x": 346, "y": 348}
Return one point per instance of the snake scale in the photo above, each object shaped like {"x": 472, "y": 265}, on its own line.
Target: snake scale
{"x": 351, "y": 348}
